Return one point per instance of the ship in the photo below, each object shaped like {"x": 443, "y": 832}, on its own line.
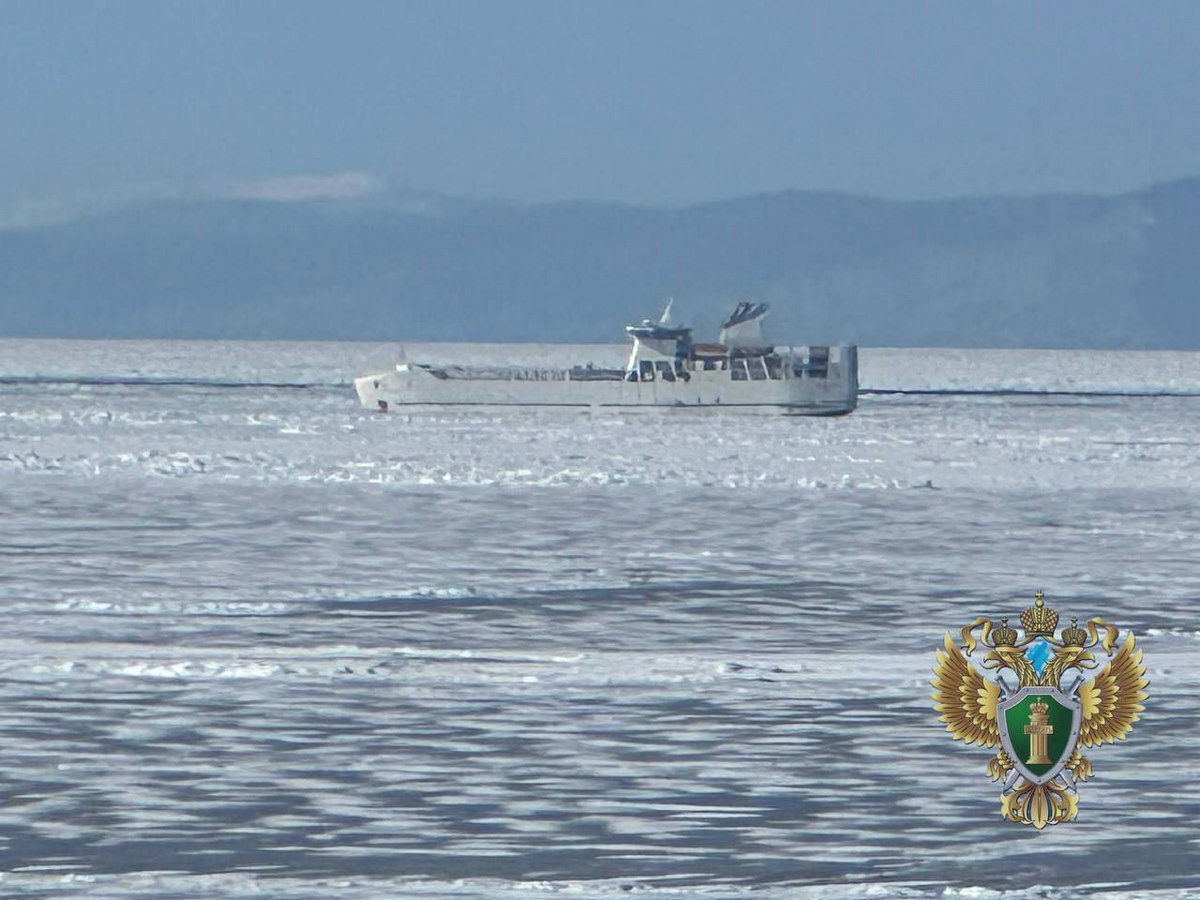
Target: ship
{"x": 741, "y": 372}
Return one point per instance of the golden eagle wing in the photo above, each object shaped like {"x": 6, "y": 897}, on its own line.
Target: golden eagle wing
{"x": 1111, "y": 701}
{"x": 966, "y": 700}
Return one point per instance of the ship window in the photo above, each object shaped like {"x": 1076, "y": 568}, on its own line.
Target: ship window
{"x": 758, "y": 369}
{"x": 665, "y": 369}
{"x": 646, "y": 370}
{"x": 737, "y": 369}
{"x": 710, "y": 365}
{"x": 774, "y": 367}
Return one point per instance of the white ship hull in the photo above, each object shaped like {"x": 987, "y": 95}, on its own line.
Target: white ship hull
{"x": 753, "y": 388}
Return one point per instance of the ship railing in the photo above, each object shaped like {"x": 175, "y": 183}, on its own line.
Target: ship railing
{"x": 499, "y": 373}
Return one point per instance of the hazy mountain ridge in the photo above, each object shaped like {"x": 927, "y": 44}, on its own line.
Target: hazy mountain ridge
{"x": 1055, "y": 270}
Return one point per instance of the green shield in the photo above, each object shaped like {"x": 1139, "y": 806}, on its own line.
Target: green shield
{"x": 1040, "y": 731}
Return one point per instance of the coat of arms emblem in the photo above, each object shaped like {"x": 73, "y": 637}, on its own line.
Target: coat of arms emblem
{"x": 1039, "y": 706}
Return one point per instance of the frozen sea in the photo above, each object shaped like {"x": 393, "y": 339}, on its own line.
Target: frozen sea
{"x": 260, "y": 642}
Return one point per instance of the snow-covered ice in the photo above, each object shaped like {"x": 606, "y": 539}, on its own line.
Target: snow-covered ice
{"x": 260, "y": 640}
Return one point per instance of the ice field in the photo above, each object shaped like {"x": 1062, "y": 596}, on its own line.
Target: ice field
{"x": 259, "y": 641}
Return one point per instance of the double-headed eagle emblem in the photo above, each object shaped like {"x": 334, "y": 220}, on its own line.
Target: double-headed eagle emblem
{"x": 1041, "y": 719}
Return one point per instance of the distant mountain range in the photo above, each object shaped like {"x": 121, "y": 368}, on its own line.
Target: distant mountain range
{"x": 1044, "y": 271}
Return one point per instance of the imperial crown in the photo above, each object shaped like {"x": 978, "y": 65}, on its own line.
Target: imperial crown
{"x": 1003, "y": 635}
{"x": 1074, "y": 636}
{"x": 1039, "y": 618}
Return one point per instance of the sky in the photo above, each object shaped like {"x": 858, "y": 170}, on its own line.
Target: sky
{"x": 646, "y": 102}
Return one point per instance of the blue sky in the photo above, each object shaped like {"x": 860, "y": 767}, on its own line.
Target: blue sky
{"x": 663, "y": 102}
